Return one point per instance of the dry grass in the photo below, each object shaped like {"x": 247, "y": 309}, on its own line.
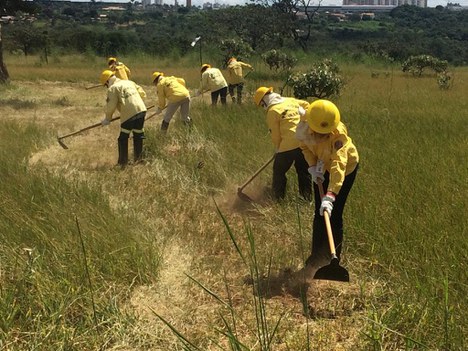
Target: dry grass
{"x": 176, "y": 199}
{"x": 190, "y": 233}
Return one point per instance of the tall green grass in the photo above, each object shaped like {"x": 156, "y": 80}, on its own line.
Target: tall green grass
{"x": 408, "y": 211}
{"x": 67, "y": 260}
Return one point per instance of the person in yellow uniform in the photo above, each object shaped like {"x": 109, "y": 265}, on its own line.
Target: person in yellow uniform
{"x": 177, "y": 95}
{"x": 333, "y": 163}
{"x": 282, "y": 118}
{"x": 126, "y": 97}
{"x": 235, "y": 78}
{"x": 121, "y": 71}
{"x": 213, "y": 80}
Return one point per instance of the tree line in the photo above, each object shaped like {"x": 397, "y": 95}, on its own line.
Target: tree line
{"x": 405, "y": 31}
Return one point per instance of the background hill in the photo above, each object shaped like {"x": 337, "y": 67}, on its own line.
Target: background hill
{"x": 57, "y": 28}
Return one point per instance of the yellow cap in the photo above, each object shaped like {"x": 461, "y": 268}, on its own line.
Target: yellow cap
{"x": 105, "y": 75}
{"x": 156, "y": 75}
{"x": 111, "y": 60}
{"x": 205, "y": 66}
{"x": 322, "y": 116}
{"x": 260, "y": 94}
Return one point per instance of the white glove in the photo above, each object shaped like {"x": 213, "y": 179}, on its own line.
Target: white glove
{"x": 316, "y": 175}
{"x": 105, "y": 122}
{"x": 301, "y": 111}
{"x": 327, "y": 203}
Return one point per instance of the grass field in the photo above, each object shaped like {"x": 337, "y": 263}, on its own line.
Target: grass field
{"x": 94, "y": 257}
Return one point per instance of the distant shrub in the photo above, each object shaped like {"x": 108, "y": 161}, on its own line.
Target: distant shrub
{"x": 322, "y": 81}
{"x": 278, "y": 60}
{"x": 416, "y": 64}
{"x": 444, "y": 80}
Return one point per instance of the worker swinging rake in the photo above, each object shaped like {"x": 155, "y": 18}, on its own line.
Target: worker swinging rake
{"x": 63, "y": 145}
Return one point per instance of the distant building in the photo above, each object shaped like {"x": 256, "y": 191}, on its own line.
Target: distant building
{"x": 113, "y": 8}
{"x": 419, "y": 3}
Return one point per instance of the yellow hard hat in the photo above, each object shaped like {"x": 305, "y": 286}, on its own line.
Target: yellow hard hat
{"x": 260, "y": 94}
{"x": 110, "y": 60}
{"x": 156, "y": 75}
{"x": 205, "y": 66}
{"x": 322, "y": 116}
{"x": 105, "y": 75}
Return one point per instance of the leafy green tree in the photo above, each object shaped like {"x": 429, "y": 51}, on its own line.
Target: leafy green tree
{"x": 235, "y": 48}
{"x": 258, "y": 26}
{"x": 26, "y": 37}
{"x": 416, "y": 64}
{"x": 299, "y": 17}
{"x": 9, "y": 7}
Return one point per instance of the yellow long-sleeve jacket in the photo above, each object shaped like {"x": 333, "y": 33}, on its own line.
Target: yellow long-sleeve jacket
{"x": 121, "y": 71}
{"x": 126, "y": 97}
{"x": 234, "y": 72}
{"x": 336, "y": 150}
{"x": 171, "y": 88}
{"x": 282, "y": 120}
{"x": 212, "y": 80}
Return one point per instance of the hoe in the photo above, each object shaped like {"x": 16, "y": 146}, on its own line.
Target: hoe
{"x": 332, "y": 271}
{"x": 60, "y": 138}
{"x": 240, "y": 188}
{"x": 94, "y": 86}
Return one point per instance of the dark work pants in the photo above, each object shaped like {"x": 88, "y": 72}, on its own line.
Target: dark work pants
{"x": 320, "y": 246}
{"x": 135, "y": 126}
{"x": 222, "y": 93}
{"x": 232, "y": 88}
{"x": 283, "y": 162}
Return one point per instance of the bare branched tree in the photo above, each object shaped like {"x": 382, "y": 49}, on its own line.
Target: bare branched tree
{"x": 4, "y": 77}
{"x": 297, "y": 11}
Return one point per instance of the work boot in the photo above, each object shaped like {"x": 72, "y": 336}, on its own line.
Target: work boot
{"x": 188, "y": 122}
{"x": 123, "y": 151}
{"x": 137, "y": 149}
{"x": 164, "y": 126}
{"x": 233, "y": 99}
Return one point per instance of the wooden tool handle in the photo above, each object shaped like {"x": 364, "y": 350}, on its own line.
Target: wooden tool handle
{"x": 256, "y": 173}
{"x": 326, "y": 216}
{"x": 92, "y": 126}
